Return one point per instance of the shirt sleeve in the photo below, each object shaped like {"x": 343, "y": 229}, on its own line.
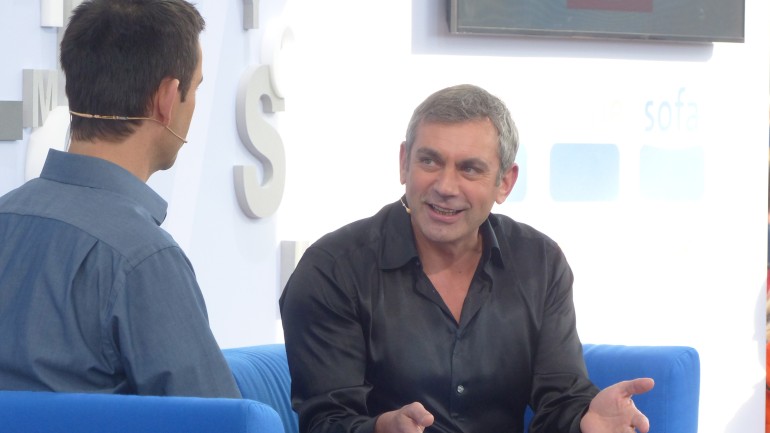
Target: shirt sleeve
{"x": 325, "y": 348}
{"x": 160, "y": 332}
{"x": 561, "y": 390}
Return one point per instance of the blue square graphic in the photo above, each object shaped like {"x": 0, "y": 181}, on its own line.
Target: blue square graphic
{"x": 584, "y": 172}
{"x": 671, "y": 174}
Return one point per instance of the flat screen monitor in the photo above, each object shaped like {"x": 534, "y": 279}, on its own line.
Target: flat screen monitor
{"x": 659, "y": 20}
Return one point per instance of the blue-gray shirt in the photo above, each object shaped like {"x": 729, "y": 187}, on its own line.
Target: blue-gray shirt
{"x": 94, "y": 295}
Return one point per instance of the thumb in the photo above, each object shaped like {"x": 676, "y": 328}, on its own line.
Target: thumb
{"x": 638, "y": 386}
{"x": 417, "y": 412}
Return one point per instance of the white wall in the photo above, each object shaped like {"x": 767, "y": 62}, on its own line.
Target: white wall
{"x": 683, "y": 271}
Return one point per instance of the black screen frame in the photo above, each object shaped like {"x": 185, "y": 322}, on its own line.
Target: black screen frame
{"x": 703, "y": 21}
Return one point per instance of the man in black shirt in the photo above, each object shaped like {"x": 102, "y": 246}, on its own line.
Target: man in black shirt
{"x": 436, "y": 314}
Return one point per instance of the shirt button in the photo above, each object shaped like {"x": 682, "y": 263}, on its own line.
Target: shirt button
{"x": 460, "y": 389}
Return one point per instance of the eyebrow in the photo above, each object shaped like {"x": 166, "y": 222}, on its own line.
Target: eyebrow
{"x": 427, "y": 152}
{"x": 476, "y": 162}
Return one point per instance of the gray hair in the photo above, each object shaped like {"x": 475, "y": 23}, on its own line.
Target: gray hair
{"x": 468, "y": 102}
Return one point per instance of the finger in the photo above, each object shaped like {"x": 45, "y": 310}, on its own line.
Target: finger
{"x": 637, "y": 386}
{"x": 640, "y": 422}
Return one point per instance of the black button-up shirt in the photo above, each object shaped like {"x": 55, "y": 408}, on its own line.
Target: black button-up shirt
{"x": 366, "y": 332}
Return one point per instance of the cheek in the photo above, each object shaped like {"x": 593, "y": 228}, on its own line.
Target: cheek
{"x": 418, "y": 180}
{"x": 483, "y": 193}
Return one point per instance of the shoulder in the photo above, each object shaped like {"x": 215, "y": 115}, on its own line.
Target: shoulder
{"x": 512, "y": 232}
{"x": 364, "y": 236}
{"x": 358, "y": 251}
{"x": 534, "y": 259}
{"x": 526, "y": 248}
{"x": 117, "y": 221}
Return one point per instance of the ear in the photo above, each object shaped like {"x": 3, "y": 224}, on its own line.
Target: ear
{"x": 165, "y": 98}
{"x": 402, "y": 162}
{"x": 506, "y": 183}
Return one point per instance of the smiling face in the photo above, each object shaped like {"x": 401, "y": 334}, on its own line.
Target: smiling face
{"x": 451, "y": 179}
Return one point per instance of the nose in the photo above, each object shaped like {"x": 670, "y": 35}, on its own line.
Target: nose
{"x": 447, "y": 182}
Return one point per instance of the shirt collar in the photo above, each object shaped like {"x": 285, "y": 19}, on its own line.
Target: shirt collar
{"x": 491, "y": 245}
{"x": 398, "y": 247}
{"x": 91, "y": 172}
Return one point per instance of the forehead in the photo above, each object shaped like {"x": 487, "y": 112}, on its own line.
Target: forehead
{"x": 477, "y": 137}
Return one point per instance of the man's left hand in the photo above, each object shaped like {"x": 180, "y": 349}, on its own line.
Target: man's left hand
{"x": 613, "y": 410}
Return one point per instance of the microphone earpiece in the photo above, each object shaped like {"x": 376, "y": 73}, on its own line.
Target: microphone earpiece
{"x": 409, "y": 211}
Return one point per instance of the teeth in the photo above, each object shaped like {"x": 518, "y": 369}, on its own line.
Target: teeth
{"x": 443, "y": 211}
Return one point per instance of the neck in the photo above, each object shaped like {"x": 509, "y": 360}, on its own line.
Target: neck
{"x": 125, "y": 154}
{"x": 461, "y": 257}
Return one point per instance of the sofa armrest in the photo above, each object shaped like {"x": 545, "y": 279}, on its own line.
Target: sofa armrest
{"x": 33, "y": 412}
{"x": 672, "y": 406}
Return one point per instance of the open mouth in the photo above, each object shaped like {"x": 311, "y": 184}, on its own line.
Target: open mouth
{"x": 443, "y": 211}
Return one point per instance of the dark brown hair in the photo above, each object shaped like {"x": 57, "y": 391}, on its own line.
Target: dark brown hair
{"x": 115, "y": 53}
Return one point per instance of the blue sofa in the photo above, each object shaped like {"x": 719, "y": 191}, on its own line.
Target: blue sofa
{"x": 47, "y": 412}
{"x": 672, "y": 406}
{"x": 262, "y": 375}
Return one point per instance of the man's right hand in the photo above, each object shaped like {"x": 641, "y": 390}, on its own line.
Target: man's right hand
{"x": 412, "y": 418}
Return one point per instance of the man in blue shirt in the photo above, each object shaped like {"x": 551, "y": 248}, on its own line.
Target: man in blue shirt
{"x": 94, "y": 295}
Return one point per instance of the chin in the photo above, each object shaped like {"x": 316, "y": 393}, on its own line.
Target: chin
{"x": 167, "y": 164}
{"x": 440, "y": 236}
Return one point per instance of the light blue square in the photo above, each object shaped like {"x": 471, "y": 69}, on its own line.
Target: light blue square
{"x": 584, "y": 172}
{"x": 671, "y": 174}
